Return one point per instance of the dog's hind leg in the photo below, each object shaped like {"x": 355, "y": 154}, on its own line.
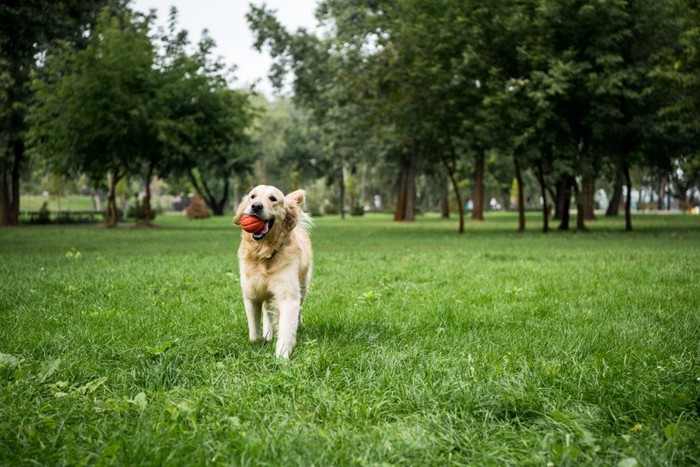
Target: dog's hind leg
{"x": 303, "y": 290}
{"x": 301, "y": 303}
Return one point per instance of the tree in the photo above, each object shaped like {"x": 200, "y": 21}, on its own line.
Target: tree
{"x": 27, "y": 29}
{"x": 606, "y": 95}
{"x": 327, "y": 79}
{"x": 206, "y": 126}
{"x": 118, "y": 108}
{"x": 675, "y": 147}
{"x": 93, "y": 108}
{"x": 565, "y": 88}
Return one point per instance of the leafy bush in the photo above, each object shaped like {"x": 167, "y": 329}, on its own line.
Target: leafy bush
{"x": 357, "y": 210}
{"x": 138, "y": 211}
{"x": 44, "y": 214}
{"x": 120, "y": 213}
{"x": 197, "y": 209}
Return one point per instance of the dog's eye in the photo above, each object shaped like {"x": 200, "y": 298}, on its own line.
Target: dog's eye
{"x": 252, "y": 196}
{"x": 273, "y": 199}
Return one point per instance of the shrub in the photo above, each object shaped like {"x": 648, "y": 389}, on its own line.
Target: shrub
{"x": 357, "y": 210}
{"x": 197, "y": 209}
{"x": 138, "y": 211}
{"x": 120, "y": 213}
{"x": 44, "y": 214}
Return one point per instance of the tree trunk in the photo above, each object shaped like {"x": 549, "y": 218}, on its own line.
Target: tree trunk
{"x": 400, "y": 207}
{"x": 147, "y": 199}
{"x": 459, "y": 204}
{"x": 628, "y": 201}
{"x": 588, "y": 196}
{"x": 147, "y": 205}
{"x": 552, "y": 196}
{"x": 616, "y": 198}
{"x": 445, "y": 196}
{"x": 564, "y": 201}
{"x": 216, "y": 206}
{"x": 543, "y": 193}
{"x": 410, "y": 215}
{"x": 342, "y": 192}
{"x": 662, "y": 191}
{"x": 455, "y": 186}
{"x": 580, "y": 209}
{"x": 478, "y": 193}
{"x": 14, "y": 204}
{"x": 224, "y": 196}
{"x": 4, "y": 195}
{"x": 111, "y": 217}
{"x": 13, "y": 130}
{"x": 521, "y": 201}
{"x": 406, "y": 194}
{"x": 9, "y": 186}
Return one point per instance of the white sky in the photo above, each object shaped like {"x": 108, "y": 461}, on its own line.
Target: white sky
{"x": 225, "y": 21}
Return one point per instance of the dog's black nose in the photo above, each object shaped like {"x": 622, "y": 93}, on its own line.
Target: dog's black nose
{"x": 256, "y": 207}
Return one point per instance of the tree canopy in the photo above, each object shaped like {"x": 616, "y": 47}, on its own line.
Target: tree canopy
{"x": 572, "y": 89}
{"x": 120, "y": 107}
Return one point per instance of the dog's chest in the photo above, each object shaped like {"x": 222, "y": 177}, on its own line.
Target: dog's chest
{"x": 257, "y": 286}
{"x": 261, "y": 280}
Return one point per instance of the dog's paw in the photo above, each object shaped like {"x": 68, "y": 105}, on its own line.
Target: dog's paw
{"x": 284, "y": 350}
{"x": 267, "y": 335}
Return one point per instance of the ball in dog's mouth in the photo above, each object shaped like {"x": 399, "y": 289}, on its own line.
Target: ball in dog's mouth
{"x": 260, "y": 235}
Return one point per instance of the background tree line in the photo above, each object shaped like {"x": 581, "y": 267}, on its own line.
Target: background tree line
{"x": 572, "y": 91}
{"x": 403, "y": 104}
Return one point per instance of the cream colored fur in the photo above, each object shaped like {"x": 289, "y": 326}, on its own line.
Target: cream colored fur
{"x": 275, "y": 270}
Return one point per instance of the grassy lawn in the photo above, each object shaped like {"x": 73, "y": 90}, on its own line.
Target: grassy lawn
{"x": 420, "y": 347}
{"x": 55, "y": 204}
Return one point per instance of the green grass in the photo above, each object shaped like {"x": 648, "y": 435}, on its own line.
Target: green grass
{"x": 63, "y": 203}
{"x": 420, "y": 347}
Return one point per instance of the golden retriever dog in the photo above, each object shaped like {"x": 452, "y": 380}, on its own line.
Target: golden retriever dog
{"x": 275, "y": 264}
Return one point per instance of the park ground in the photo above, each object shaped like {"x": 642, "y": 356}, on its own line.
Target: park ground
{"x": 419, "y": 347}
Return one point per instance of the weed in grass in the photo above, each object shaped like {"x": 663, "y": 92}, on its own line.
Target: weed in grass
{"x": 420, "y": 346}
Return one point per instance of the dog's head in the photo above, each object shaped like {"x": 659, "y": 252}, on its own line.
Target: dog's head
{"x": 281, "y": 213}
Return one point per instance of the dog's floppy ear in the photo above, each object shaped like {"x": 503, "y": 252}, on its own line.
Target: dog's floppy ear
{"x": 293, "y": 203}
{"x": 297, "y": 197}
{"x": 239, "y": 212}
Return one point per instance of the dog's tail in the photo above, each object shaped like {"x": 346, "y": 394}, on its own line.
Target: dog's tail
{"x": 306, "y": 222}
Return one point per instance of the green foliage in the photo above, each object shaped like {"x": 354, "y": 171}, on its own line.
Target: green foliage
{"x": 285, "y": 146}
{"x": 28, "y": 30}
{"x": 357, "y": 209}
{"x": 121, "y": 106}
{"x": 205, "y": 127}
{"x": 93, "y": 105}
{"x": 573, "y": 89}
{"x": 44, "y": 216}
{"x": 137, "y": 211}
{"x": 470, "y": 353}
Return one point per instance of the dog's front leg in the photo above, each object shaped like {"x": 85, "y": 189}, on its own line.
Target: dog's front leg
{"x": 288, "y": 324}
{"x": 253, "y": 309}
{"x": 268, "y": 321}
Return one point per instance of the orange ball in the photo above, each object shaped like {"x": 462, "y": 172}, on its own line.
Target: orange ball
{"x": 252, "y": 224}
